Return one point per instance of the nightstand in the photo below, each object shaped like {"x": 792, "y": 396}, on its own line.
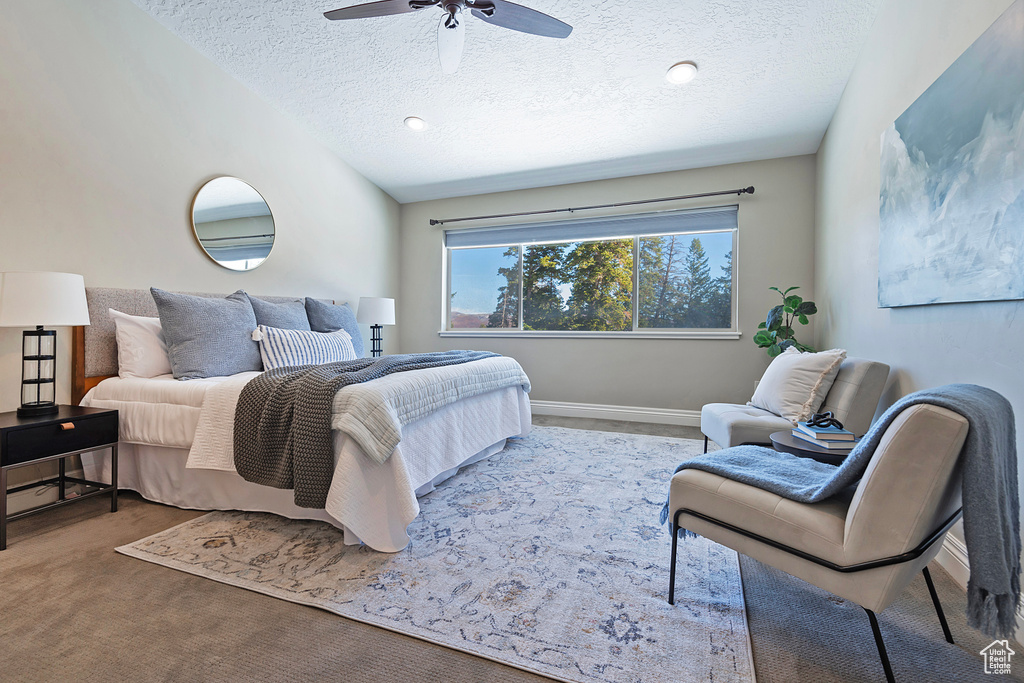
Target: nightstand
{"x": 31, "y": 440}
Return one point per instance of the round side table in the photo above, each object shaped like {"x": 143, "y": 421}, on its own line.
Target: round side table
{"x": 785, "y": 442}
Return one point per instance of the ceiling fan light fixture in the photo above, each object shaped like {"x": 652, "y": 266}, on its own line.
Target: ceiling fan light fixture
{"x": 415, "y": 123}
{"x": 681, "y": 73}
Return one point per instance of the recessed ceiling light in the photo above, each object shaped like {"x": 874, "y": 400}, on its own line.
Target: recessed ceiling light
{"x": 680, "y": 73}
{"x": 416, "y": 123}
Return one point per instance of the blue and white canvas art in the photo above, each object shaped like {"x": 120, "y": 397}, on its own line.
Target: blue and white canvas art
{"x": 951, "y": 206}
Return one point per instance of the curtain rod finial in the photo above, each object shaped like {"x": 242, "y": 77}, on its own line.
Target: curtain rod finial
{"x": 748, "y": 190}
{"x": 434, "y": 221}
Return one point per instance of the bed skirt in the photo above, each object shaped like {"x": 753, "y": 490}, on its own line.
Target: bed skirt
{"x": 372, "y": 503}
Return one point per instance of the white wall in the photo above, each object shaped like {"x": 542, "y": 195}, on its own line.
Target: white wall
{"x": 108, "y": 126}
{"x": 910, "y": 45}
{"x": 775, "y": 248}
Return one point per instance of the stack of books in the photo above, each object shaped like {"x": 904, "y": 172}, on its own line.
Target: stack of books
{"x": 832, "y": 438}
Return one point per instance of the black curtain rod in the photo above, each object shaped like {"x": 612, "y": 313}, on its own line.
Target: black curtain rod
{"x": 742, "y": 190}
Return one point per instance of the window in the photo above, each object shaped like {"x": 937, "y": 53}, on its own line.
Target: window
{"x": 646, "y": 273}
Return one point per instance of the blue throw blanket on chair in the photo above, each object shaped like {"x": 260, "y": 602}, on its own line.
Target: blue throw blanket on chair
{"x": 990, "y": 500}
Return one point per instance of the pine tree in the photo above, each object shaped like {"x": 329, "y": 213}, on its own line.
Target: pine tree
{"x": 659, "y": 280}
{"x": 698, "y": 288}
{"x": 602, "y": 285}
{"x": 543, "y": 272}
{"x": 722, "y": 307}
{"x": 506, "y": 312}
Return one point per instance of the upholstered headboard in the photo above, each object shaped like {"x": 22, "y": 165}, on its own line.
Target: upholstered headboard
{"x": 93, "y": 347}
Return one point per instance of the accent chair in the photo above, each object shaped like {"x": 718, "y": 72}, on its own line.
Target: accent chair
{"x": 865, "y": 545}
{"x": 853, "y": 398}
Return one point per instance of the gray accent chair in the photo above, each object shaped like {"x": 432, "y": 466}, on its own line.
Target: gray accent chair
{"x": 853, "y": 398}
{"x": 864, "y": 546}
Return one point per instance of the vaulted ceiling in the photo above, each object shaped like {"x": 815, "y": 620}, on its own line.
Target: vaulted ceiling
{"x": 526, "y": 111}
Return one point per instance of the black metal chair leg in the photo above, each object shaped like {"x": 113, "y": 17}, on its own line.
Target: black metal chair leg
{"x": 705, "y": 444}
{"x": 881, "y": 646}
{"x": 672, "y": 565}
{"x": 938, "y": 605}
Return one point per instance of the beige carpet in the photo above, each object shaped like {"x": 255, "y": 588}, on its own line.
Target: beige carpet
{"x": 549, "y": 559}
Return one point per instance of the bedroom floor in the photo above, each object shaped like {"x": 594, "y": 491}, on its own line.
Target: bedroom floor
{"x": 73, "y": 608}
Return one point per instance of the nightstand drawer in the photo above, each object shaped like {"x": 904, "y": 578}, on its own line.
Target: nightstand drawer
{"x": 75, "y": 434}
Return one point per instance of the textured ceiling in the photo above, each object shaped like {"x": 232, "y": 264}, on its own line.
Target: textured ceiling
{"x": 525, "y": 111}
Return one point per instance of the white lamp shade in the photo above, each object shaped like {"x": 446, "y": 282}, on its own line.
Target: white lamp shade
{"x": 376, "y": 311}
{"x": 31, "y": 299}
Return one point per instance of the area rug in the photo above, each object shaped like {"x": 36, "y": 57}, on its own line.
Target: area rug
{"x": 547, "y": 557}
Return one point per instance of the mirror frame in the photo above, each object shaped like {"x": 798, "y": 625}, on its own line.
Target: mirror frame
{"x": 195, "y": 233}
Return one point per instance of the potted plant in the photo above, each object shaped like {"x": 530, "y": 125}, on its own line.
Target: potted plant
{"x": 776, "y": 332}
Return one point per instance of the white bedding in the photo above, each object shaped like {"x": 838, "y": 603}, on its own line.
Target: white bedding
{"x": 374, "y": 502}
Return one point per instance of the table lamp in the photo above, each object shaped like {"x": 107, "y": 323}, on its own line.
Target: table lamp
{"x": 34, "y": 300}
{"x": 376, "y": 312}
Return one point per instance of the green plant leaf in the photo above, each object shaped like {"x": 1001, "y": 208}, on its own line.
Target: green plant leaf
{"x": 807, "y": 308}
{"x": 774, "y": 350}
{"x": 763, "y": 339}
{"x": 805, "y": 348}
{"x": 802, "y": 319}
{"x": 762, "y": 326}
{"x": 789, "y": 290}
{"x": 786, "y": 343}
{"x": 776, "y": 289}
{"x": 793, "y": 301}
{"x": 774, "y": 319}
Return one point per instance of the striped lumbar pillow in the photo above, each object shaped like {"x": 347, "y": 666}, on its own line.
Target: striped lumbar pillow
{"x": 282, "y": 348}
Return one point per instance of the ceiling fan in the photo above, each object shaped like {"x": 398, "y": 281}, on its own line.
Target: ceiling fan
{"x": 451, "y": 32}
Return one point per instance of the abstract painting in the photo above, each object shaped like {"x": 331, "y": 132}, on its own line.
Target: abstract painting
{"x": 951, "y": 206}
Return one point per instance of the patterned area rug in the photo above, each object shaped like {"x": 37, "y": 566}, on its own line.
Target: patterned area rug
{"x": 547, "y": 557}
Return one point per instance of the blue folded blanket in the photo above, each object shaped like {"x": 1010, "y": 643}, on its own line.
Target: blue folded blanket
{"x": 990, "y": 499}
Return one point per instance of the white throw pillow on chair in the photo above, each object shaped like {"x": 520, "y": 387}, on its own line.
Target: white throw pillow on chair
{"x": 795, "y": 385}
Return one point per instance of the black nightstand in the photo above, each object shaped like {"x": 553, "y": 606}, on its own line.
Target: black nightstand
{"x": 30, "y": 440}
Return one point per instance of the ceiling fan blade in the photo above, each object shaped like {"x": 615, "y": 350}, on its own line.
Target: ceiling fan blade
{"x": 450, "y": 42}
{"x": 519, "y": 18}
{"x": 371, "y": 9}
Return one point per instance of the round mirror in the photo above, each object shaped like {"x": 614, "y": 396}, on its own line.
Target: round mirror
{"x": 233, "y": 223}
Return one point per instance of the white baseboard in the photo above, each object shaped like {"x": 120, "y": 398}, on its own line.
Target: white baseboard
{"x": 668, "y": 416}
{"x": 953, "y": 558}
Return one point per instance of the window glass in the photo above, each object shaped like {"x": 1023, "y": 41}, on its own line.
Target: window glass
{"x": 585, "y": 286}
{"x": 686, "y": 281}
{"x": 484, "y": 288}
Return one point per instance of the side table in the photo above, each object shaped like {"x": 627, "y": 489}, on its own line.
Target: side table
{"x": 31, "y": 440}
{"x": 785, "y": 442}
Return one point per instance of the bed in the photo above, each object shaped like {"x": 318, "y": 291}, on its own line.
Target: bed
{"x": 175, "y": 444}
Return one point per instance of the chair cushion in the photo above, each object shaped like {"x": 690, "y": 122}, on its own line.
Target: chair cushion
{"x": 730, "y": 424}
{"x": 816, "y": 528}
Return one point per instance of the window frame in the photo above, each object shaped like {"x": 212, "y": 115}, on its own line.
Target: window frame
{"x": 636, "y": 332}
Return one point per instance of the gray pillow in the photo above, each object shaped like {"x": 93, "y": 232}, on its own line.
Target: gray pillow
{"x": 288, "y": 315}
{"x": 329, "y": 318}
{"x": 208, "y": 337}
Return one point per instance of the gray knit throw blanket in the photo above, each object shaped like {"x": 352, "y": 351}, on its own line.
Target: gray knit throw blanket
{"x": 282, "y": 430}
{"x": 990, "y": 500}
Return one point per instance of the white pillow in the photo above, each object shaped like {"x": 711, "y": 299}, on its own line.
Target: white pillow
{"x": 795, "y": 384}
{"x": 283, "y": 348}
{"x": 141, "y": 349}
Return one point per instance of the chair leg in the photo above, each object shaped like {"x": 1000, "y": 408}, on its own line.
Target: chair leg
{"x": 705, "y": 444}
{"x": 881, "y": 646}
{"x": 938, "y": 605}
{"x": 672, "y": 565}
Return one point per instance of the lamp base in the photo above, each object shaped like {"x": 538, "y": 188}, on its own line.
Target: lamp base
{"x": 37, "y": 409}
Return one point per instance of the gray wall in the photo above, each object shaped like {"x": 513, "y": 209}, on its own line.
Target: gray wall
{"x": 108, "y": 126}
{"x": 910, "y": 45}
{"x": 775, "y": 248}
